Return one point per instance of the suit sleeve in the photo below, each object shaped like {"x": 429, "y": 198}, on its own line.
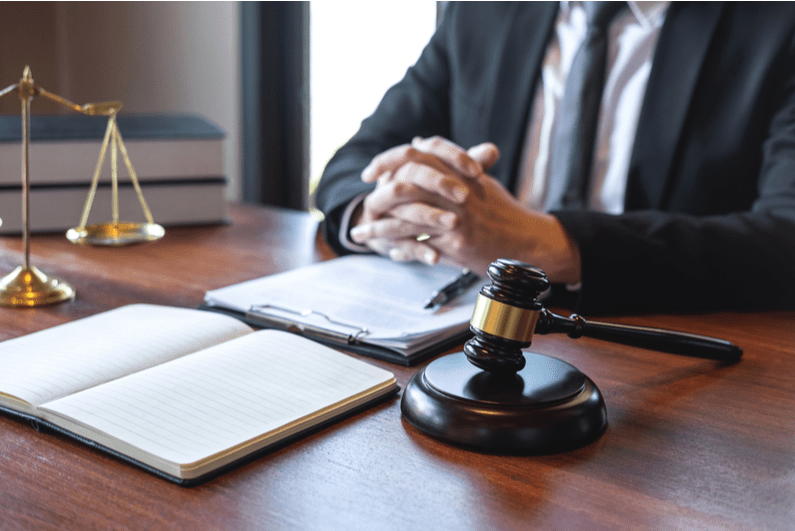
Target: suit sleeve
{"x": 661, "y": 261}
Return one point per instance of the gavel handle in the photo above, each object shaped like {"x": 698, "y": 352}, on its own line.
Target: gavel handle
{"x": 640, "y": 336}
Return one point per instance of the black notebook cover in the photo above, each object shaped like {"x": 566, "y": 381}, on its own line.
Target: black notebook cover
{"x": 43, "y": 425}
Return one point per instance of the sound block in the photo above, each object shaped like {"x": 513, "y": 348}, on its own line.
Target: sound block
{"x": 549, "y": 406}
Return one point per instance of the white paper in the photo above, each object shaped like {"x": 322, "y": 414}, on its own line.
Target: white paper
{"x": 356, "y": 293}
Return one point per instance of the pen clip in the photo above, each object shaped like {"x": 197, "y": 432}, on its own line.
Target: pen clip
{"x": 256, "y": 311}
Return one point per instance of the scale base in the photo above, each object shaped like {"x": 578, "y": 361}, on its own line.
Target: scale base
{"x": 115, "y": 234}
{"x": 547, "y": 407}
{"x": 29, "y": 287}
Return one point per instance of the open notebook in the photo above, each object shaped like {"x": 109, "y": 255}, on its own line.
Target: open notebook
{"x": 180, "y": 392}
{"x": 363, "y": 303}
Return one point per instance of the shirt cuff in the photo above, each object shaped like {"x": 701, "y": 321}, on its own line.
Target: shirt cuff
{"x": 345, "y": 227}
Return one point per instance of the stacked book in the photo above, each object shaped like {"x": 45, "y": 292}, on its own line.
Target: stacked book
{"x": 178, "y": 160}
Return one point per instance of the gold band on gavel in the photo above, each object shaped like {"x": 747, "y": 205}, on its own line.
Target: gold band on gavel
{"x": 503, "y": 320}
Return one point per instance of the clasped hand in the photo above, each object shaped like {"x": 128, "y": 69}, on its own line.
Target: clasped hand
{"x": 434, "y": 202}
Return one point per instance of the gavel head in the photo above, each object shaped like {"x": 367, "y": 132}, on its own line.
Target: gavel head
{"x": 505, "y": 316}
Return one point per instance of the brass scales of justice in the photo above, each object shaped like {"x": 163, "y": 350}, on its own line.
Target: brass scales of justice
{"x": 27, "y": 286}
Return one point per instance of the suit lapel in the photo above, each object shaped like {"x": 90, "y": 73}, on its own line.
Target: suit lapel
{"x": 680, "y": 53}
{"x": 523, "y": 52}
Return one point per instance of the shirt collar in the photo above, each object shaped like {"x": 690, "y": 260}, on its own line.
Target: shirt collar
{"x": 648, "y": 14}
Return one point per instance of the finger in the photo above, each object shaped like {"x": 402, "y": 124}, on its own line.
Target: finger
{"x": 450, "y": 153}
{"x": 450, "y": 186}
{"x": 487, "y": 154}
{"x": 380, "y": 246}
{"x": 392, "y": 159}
{"x": 386, "y": 197}
{"x": 426, "y": 215}
{"x": 427, "y": 254}
{"x": 416, "y": 187}
{"x": 410, "y": 249}
{"x": 389, "y": 229}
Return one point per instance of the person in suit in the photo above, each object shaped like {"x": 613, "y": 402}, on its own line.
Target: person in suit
{"x": 691, "y": 199}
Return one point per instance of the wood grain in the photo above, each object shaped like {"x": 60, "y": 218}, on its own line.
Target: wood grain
{"x": 691, "y": 444}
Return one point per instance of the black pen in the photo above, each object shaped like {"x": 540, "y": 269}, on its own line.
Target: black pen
{"x": 452, "y": 290}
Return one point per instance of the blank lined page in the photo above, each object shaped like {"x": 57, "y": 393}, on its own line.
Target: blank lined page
{"x": 194, "y": 407}
{"x": 61, "y": 360}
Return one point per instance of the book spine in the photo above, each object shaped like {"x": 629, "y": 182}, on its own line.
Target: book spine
{"x": 171, "y": 203}
{"x": 70, "y": 162}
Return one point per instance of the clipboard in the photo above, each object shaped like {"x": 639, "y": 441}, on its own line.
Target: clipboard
{"x": 366, "y": 304}
{"x": 348, "y": 342}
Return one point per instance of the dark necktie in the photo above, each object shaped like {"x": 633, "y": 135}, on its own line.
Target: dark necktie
{"x": 575, "y": 130}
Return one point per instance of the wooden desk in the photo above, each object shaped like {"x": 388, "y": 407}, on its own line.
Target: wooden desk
{"x": 691, "y": 444}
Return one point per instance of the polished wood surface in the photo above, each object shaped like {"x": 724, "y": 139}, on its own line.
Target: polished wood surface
{"x": 690, "y": 443}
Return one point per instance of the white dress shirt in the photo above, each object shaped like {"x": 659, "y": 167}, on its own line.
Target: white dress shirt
{"x": 632, "y": 39}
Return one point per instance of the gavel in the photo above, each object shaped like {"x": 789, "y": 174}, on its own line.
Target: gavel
{"x": 508, "y": 313}
{"x": 496, "y": 397}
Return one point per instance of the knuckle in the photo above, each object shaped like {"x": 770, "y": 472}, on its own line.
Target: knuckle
{"x": 410, "y": 152}
{"x": 462, "y": 159}
{"x": 436, "y": 141}
{"x": 444, "y": 181}
{"x": 427, "y": 215}
{"x": 405, "y": 171}
{"x": 402, "y": 188}
{"x": 421, "y": 173}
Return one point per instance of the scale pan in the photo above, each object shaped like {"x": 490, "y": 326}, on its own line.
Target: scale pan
{"x": 116, "y": 234}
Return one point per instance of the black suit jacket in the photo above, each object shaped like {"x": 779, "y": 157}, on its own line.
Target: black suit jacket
{"x": 709, "y": 218}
